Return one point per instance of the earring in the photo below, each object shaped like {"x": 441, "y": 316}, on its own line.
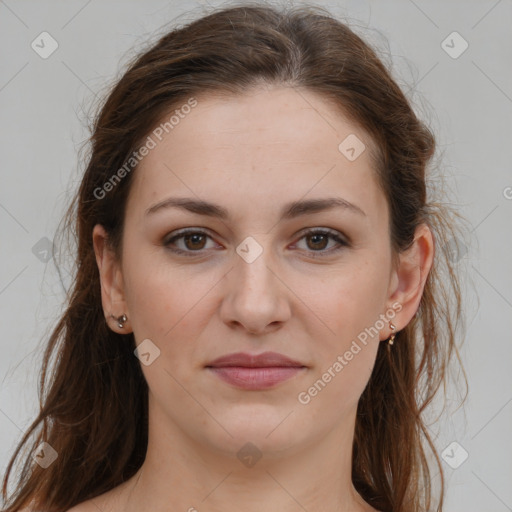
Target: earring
{"x": 120, "y": 320}
{"x": 391, "y": 339}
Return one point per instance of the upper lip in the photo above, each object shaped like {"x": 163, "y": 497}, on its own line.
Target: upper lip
{"x": 266, "y": 359}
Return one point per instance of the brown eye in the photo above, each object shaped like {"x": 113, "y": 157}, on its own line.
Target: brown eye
{"x": 187, "y": 242}
{"x": 194, "y": 241}
{"x": 317, "y": 241}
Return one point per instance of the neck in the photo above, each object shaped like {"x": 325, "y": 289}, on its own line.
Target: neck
{"x": 181, "y": 474}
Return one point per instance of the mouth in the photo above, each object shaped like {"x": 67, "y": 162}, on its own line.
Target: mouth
{"x": 255, "y": 372}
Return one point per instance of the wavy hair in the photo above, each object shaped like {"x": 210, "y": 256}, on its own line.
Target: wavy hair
{"x": 93, "y": 397}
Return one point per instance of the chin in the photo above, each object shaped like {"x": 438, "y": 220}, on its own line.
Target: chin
{"x": 267, "y": 432}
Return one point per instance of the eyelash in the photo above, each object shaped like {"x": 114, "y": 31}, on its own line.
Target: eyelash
{"x": 326, "y": 232}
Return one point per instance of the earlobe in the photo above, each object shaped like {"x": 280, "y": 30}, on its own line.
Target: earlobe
{"x": 111, "y": 280}
{"x": 409, "y": 278}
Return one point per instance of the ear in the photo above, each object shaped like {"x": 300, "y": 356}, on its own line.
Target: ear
{"x": 408, "y": 278}
{"x": 111, "y": 278}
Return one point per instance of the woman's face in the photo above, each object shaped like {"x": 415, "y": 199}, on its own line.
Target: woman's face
{"x": 256, "y": 279}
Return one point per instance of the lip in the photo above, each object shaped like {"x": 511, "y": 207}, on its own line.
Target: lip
{"x": 263, "y": 360}
{"x": 255, "y": 371}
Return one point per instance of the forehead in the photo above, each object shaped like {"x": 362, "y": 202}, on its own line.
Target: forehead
{"x": 264, "y": 144}
{"x": 295, "y": 119}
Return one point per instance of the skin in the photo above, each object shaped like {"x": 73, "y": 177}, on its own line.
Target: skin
{"x": 252, "y": 154}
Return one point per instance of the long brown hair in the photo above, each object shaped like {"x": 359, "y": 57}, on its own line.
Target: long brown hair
{"x": 93, "y": 397}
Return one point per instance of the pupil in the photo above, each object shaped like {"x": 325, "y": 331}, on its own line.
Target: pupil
{"x": 321, "y": 236}
{"x": 194, "y": 238}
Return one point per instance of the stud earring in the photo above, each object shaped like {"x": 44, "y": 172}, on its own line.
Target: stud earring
{"x": 391, "y": 339}
{"x": 120, "y": 320}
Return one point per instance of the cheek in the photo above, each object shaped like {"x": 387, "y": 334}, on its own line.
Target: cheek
{"x": 344, "y": 359}
{"x": 163, "y": 298}
{"x": 350, "y": 305}
{"x": 351, "y": 299}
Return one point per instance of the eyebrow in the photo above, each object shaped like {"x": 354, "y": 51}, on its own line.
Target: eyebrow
{"x": 289, "y": 211}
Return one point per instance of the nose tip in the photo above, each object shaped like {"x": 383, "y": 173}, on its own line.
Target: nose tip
{"x": 255, "y": 298}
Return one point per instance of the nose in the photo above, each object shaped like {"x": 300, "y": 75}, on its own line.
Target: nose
{"x": 256, "y": 299}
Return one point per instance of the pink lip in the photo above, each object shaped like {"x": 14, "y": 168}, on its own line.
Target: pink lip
{"x": 255, "y": 372}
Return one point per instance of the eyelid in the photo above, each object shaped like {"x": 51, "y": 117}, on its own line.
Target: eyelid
{"x": 327, "y": 231}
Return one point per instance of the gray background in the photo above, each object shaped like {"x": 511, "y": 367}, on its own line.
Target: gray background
{"x": 467, "y": 100}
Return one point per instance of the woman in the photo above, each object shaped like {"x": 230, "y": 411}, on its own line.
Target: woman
{"x": 258, "y": 318}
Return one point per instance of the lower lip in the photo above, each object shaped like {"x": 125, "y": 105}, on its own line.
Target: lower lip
{"x": 255, "y": 378}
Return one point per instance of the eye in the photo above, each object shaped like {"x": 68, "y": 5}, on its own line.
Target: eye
{"x": 319, "y": 239}
{"x": 193, "y": 241}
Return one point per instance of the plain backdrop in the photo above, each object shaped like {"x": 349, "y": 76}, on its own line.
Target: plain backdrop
{"x": 454, "y": 61}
